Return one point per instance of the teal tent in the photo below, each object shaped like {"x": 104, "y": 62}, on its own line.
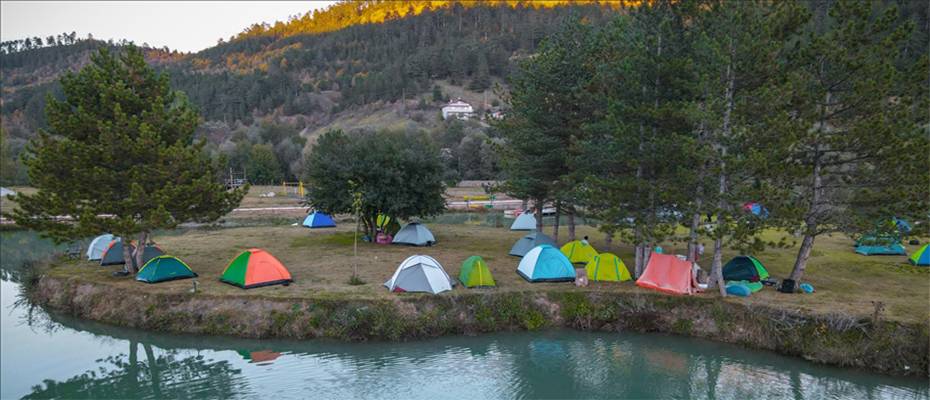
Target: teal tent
{"x": 883, "y": 245}
{"x": 164, "y": 268}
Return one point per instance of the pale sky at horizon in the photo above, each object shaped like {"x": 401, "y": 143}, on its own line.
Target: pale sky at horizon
{"x": 183, "y": 26}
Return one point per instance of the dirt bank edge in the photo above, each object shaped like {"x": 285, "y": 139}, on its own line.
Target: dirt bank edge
{"x": 882, "y": 346}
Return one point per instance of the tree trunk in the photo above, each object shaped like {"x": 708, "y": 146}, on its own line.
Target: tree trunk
{"x": 716, "y": 266}
{"x": 810, "y": 220}
{"x": 693, "y": 234}
{"x": 539, "y": 216}
{"x": 637, "y": 261}
{"x": 803, "y": 254}
{"x": 716, "y": 272}
{"x": 608, "y": 240}
{"x": 140, "y": 249}
{"x": 571, "y": 224}
{"x": 128, "y": 265}
{"x": 810, "y": 223}
{"x": 526, "y": 203}
{"x": 555, "y": 227}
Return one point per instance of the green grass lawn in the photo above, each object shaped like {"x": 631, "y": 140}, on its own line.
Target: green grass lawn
{"x": 321, "y": 262}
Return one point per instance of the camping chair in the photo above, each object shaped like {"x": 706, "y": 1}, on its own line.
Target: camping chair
{"x": 74, "y": 251}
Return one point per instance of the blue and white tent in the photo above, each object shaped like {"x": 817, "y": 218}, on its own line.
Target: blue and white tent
{"x": 545, "y": 263}
{"x": 318, "y": 220}
{"x": 98, "y": 246}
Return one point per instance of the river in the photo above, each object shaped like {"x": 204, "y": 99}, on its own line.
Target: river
{"x": 45, "y": 355}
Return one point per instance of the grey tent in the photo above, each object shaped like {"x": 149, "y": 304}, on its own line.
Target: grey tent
{"x": 114, "y": 254}
{"x": 524, "y": 222}
{"x": 414, "y": 234}
{"x": 151, "y": 251}
{"x": 528, "y": 242}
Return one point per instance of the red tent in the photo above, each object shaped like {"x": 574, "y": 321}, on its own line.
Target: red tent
{"x": 667, "y": 273}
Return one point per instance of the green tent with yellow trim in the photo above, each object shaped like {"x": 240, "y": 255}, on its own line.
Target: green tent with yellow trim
{"x": 579, "y": 251}
{"x": 164, "y": 268}
{"x": 475, "y": 273}
{"x": 607, "y": 267}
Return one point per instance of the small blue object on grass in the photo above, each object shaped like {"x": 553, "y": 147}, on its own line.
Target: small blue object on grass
{"x": 739, "y": 290}
{"x": 807, "y": 288}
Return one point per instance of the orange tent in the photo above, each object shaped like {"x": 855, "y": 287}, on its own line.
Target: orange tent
{"x": 667, "y": 273}
{"x": 254, "y": 268}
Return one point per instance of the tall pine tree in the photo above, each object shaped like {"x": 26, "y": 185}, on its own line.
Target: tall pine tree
{"x": 119, "y": 156}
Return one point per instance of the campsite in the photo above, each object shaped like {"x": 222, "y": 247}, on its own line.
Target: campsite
{"x": 465, "y": 199}
{"x": 320, "y": 261}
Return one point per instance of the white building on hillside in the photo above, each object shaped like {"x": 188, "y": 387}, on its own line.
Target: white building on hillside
{"x": 457, "y": 109}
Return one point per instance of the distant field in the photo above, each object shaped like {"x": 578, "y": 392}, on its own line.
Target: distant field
{"x": 7, "y": 205}
{"x": 321, "y": 263}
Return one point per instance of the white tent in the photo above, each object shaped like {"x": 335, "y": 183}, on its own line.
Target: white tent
{"x": 420, "y": 274}
{"x": 98, "y": 246}
{"x": 6, "y": 192}
{"x": 524, "y": 222}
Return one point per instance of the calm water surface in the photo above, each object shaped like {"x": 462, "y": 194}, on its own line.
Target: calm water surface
{"x": 46, "y": 355}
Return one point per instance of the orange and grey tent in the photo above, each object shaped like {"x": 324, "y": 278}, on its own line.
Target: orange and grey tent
{"x": 254, "y": 268}
{"x": 667, "y": 273}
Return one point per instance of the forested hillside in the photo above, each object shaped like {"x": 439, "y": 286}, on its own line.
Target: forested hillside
{"x": 349, "y": 66}
{"x": 366, "y": 64}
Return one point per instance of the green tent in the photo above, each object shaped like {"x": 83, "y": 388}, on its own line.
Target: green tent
{"x": 164, "y": 268}
{"x": 475, "y": 273}
{"x": 745, "y": 268}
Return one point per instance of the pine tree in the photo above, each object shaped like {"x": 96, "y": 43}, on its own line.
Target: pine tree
{"x": 737, "y": 50}
{"x": 851, "y": 143}
{"x": 119, "y": 156}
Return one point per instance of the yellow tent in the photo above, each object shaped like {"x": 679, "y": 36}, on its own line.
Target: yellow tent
{"x": 607, "y": 267}
{"x": 578, "y": 252}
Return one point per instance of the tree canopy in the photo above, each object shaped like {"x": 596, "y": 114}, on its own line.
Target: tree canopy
{"x": 398, "y": 174}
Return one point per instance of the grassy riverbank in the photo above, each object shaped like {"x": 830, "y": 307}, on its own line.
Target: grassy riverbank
{"x": 836, "y": 325}
{"x": 321, "y": 263}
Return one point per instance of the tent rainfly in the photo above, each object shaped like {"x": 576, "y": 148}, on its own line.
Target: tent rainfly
{"x": 524, "y": 222}
{"x": 528, "y": 242}
{"x": 98, "y": 246}
{"x": 414, "y": 234}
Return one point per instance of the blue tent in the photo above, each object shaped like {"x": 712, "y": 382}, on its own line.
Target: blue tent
{"x": 318, "y": 220}
{"x": 881, "y": 249}
{"x": 545, "y": 263}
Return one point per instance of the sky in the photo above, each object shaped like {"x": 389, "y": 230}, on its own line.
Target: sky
{"x": 184, "y": 26}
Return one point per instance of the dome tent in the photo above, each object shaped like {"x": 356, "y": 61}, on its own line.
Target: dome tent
{"x": 255, "y": 268}
{"x": 98, "y": 246}
{"x": 419, "y": 273}
{"x": 317, "y": 219}
{"x": 113, "y": 255}
{"x": 545, "y": 263}
{"x": 921, "y": 257}
{"x": 607, "y": 267}
{"x": 579, "y": 252}
{"x": 475, "y": 273}
{"x": 745, "y": 270}
{"x": 164, "y": 268}
{"x": 524, "y": 222}
{"x": 528, "y": 242}
{"x": 414, "y": 234}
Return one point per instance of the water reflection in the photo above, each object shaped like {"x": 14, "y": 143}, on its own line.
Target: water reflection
{"x": 64, "y": 357}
